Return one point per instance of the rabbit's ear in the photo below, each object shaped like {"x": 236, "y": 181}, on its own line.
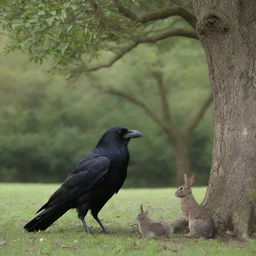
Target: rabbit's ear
{"x": 192, "y": 180}
{"x": 185, "y": 179}
{"x": 141, "y": 209}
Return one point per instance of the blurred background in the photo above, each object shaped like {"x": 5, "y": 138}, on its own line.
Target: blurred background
{"x": 48, "y": 122}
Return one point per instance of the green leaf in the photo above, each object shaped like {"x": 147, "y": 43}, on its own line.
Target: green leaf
{"x": 53, "y": 13}
{"x": 41, "y": 13}
{"x": 63, "y": 16}
{"x": 69, "y": 28}
{"x": 63, "y": 49}
{"x": 50, "y": 20}
{"x": 15, "y": 25}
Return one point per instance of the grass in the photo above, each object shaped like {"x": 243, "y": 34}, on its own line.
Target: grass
{"x": 18, "y": 202}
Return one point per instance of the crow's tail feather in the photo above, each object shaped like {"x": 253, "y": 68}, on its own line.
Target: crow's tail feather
{"x": 43, "y": 220}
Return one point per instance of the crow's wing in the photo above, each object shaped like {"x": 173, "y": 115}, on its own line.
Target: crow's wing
{"x": 87, "y": 174}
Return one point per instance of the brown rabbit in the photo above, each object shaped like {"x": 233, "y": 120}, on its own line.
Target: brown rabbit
{"x": 200, "y": 221}
{"x": 152, "y": 228}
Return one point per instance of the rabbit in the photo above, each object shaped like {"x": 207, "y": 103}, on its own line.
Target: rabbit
{"x": 200, "y": 222}
{"x": 152, "y": 228}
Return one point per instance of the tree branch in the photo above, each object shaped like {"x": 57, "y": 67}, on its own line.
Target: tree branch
{"x": 104, "y": 21}
{"x": 140, "y": 40}
{"x": 161, "y": 123}
{"x": 114, "y": 59}
{"x": 168, "y": 33}
{"x": 191, "y": 127}
{"x": 162, "y": 92}
{"x": 125, "y": 11}
{"x": 163, "y": 13}
{"x": 164, "y": 102}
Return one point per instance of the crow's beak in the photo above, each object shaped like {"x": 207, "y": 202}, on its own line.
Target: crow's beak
{"x": 133, "y": 134}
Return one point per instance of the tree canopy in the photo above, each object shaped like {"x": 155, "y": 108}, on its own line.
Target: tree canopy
{"x": 74, "y": 34}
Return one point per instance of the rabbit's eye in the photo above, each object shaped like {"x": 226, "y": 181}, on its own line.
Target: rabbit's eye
{"x": 181, "y": 188}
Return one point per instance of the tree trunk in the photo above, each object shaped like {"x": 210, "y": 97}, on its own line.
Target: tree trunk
{"x": 228, "y": 35}
{"x": 182, "y": 159}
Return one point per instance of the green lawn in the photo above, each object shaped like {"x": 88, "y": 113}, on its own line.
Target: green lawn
{"x": 18, "y": 203}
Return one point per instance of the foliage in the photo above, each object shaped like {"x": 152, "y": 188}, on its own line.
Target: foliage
{"x": 67, "y": 237}
{"x": 51, "y": 27}
{"x": 73, "y": 33}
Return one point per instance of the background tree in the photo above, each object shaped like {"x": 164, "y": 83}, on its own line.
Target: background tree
{"x": 47, "y": 124}
{"x": 154, "y": 85}
{"x": 69, "y": 31}
{"x": 177, "y": 138}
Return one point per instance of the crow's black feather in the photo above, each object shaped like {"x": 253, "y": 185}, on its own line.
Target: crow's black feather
{"x": 92, "y": 183}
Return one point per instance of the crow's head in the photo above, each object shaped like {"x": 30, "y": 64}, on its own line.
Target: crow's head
{"x": 117, "y": 137}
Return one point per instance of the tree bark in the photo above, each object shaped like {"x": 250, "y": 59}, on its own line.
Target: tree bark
{"x": 227, "y": 32}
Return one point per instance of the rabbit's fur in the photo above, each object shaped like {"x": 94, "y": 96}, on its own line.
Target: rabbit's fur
{"x": 199, "y": 219}
{"x": 152, "y": 228}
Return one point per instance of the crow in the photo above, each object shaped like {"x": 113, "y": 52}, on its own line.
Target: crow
{"x": 92, "y": 183}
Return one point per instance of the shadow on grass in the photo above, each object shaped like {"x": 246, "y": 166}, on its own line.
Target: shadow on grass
{"x": 131, "y": 231}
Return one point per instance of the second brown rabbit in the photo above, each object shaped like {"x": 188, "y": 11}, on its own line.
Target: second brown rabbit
{"x": 200, "y": 221}
{"x": 152, "y": 228}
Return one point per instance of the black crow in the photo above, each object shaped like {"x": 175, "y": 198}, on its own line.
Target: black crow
{"x": 92, "y": 183}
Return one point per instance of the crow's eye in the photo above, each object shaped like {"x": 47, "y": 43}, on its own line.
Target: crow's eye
{"x": 123, "y": 131}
